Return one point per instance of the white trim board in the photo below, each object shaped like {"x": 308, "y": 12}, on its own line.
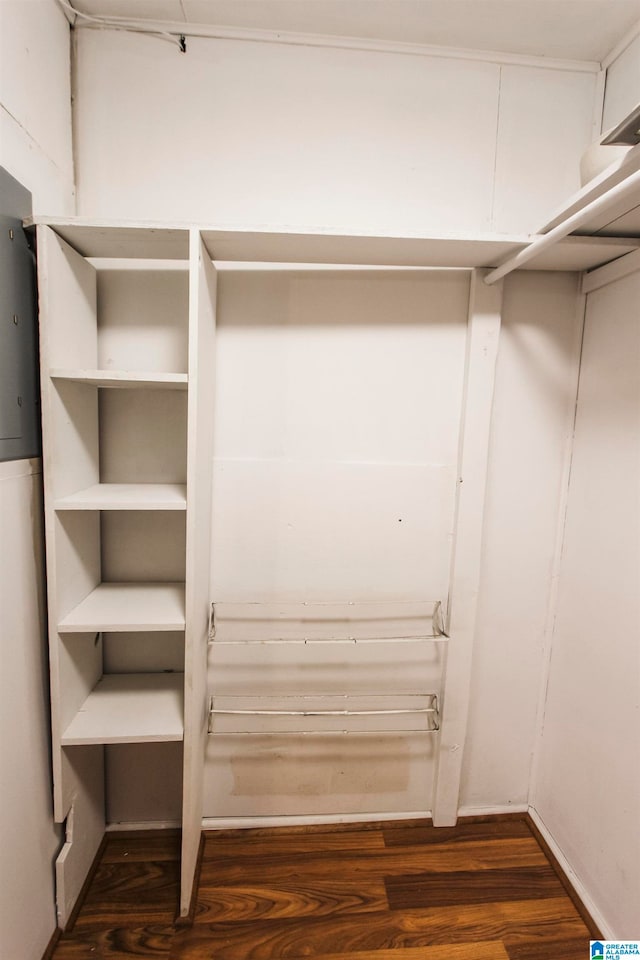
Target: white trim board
{"x": 572, "y": 877}
{"x": 292, "y": 38}
{"x": 234, "y": 823}
{"x": 610, "y": 272}
{"x": 11, "y": 469}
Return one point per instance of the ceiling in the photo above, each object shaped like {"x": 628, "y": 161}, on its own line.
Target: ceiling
{"x": 565, "y": 29}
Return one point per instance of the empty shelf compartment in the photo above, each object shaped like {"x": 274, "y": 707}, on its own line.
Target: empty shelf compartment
{"x": 128, "y": 606}
{"x": 130, "y": 708}
{"x": 129, "y": 379}
{"x": 126, "y": 496}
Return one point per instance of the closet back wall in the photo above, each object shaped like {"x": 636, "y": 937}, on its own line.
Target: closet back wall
{"x": 251, "y": 133}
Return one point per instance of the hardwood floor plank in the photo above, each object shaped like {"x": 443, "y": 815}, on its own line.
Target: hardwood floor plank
{"x": 508, "y": 922}
{"x": 479, "y": 886}
{"x": 575, "y": 949}
{"x": 408, "y": 836}
{"x": 131, "y": 894}
{"x": 155, "y": 846}
{"x": 485, "y": 855}
{"x": 143, "y": 943}
{"x": 490, "y": 950}
{"x": 216, "y": 848}
{"x": 319, "y": 899}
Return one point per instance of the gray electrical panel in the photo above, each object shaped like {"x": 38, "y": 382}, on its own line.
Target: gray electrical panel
{"x": 19, "y": 386}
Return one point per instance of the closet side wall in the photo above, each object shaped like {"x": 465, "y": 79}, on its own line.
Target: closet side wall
{"x": 588, "y": 789}
{"x": 35, "y": 147}
{"x": 253, "y": 133}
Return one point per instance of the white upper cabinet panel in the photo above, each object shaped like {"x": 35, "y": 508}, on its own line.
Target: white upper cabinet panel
{"x": 623, "y": 86}
{"x": 545, "y": 126}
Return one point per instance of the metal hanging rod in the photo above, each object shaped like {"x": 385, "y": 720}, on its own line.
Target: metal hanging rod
{"x": 431, "y": 711}
{"x": 601, "y": 204}
{"x": 269, "y": 622}
{"x": 369, "y": 695}
{"x": 440, "y": 638}
{"x": 321, "y": 713}
{"x": 323, "y": 733}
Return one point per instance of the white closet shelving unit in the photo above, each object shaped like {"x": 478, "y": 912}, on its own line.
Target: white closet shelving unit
{"x": 127, "y": 388}
{"x": 127, "y": 316}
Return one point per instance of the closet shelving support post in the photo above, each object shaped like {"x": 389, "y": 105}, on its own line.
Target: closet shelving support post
{"x": 485, "y": 305}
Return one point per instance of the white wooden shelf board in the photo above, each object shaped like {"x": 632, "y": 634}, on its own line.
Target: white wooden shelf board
{"x": 573, "y": 253}
{"x": 126, "y": 496}
{"x": 120, "y": 240}
{"x": 130, "y": 708}
{"x": 124, "y": 379}
{"x": 128, "y": 606}
{"x": 282, "y": 245}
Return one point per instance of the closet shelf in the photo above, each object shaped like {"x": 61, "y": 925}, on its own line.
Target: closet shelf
{"x": 130, "y": 708}
{"x": 354, "y": 622}
{"x": 128, "y": 606}
{"x": 126, "y": 496}
{"x": 123, "y": 379}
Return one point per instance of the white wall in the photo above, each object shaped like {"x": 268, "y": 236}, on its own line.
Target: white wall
{"x": 28, "y": 836}
{"x": 338, "y": 398}
{"x": 35, "y": 147}
{"x": 622, "y": 91}
{"x": 238, "y": 132}
{"x": 588, "y": 789}
{"x": 35, "y": 102}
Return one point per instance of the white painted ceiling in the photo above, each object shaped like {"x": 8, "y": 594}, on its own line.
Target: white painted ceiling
{"x": 567, "y": 29}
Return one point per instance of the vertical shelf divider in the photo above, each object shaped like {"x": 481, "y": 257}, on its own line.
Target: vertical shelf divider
{"x": 202, "y": 317}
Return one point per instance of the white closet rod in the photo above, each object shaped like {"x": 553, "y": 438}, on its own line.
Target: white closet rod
{"x": 599, "y": 205}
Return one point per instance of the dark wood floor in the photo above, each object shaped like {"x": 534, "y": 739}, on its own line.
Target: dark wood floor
{"x": 478, "y": 891}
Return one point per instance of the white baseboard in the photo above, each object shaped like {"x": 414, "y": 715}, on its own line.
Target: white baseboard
{"x": 144, "y": 825}
{"x": 234, "y": 823}
{"x": 493, "y": 811}
{"x": 572, "y": 877}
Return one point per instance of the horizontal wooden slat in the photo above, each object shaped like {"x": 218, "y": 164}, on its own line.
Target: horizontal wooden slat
{"x": 154, "y": 846}
{"x": 285, "y": 846}
{"x": 294, "y": 899}
{"x": 135, "y": 894}
{"x": 146, "y": 943}
{"x": 407, "y": 836}
{"x": 467, "y": 856}
{"x": 480, "y": 886}
{"x": 576, "y": 948}
{"x": 491, "y": 950}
